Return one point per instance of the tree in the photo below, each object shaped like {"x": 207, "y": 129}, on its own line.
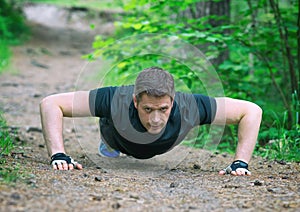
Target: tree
{"x": 258, "y": 46}
{"x": 217, "y": 14}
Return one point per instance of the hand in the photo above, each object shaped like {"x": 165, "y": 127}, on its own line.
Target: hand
{"x": 61, "y": 161}
{"x": 237, "y": 168}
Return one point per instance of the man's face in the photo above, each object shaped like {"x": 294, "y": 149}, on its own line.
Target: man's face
{"x": 153, "y": 112}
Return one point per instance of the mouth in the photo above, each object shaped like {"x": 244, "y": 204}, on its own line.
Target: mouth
{"x": 155, "y": 128}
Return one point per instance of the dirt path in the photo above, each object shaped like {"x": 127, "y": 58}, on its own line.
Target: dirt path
{"x": 50, "y": 63}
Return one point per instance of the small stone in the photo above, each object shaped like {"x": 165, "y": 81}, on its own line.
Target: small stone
{"x": 36, "y": 95}
{"x": 98, "y": 198}
{"x": 134, "y": 196}
{"x": 282, "y": 162}
{"x": 290, "y": 205}
{"x": 33, "y": 129}
{"x": 41, "y": 145}
{"x": 15, "y": 196}
{"x": 192, "y": 208}
{"x": 247, "y": 204}
{"x": 285, "y": 177}
{"x": 258, "y": 183}
{"x": 275, "y": 190}
{"x": 31, "y": 182}
{"x": 231, "y": 186}
{"x": 38, "y": 64}
{"x": 99, "y": 179}
{"x": 173, "y": 185}
{"x": 116, "y": 205}
{"x": 196, "y": 166}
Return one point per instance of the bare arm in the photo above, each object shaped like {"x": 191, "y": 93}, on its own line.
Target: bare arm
{"x": 52, "y": 110}
{"x": 248, "y": 117}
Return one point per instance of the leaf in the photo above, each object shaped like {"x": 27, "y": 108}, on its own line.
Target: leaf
{"x": 122, "y": 65}
{"x": 137, "y": 26}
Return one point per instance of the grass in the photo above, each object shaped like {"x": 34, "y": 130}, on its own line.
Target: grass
{"x": 6, "y": 142}
{"x": 5, "y": 55}
{"x": 8, "y": 173}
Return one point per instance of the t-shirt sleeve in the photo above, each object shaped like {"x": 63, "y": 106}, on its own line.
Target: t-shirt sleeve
{"x": 100, "y": 101}
{"x": 196, "y": 109}
{"x": 207, "y": 108}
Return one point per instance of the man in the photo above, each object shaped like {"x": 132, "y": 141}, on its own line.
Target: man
{"x": 147, "y": 119}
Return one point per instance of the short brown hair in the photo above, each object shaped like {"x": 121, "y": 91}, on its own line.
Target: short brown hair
{"x": 154, "y": 81}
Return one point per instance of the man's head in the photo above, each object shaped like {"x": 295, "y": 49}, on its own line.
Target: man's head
{"x": 153, "y": 97}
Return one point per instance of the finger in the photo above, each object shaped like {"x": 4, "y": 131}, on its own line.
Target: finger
{"x": 239, "y": 172}
{"x": 78, "y": 166}
{"x": 71, "y": 166}
{"x": 234, "y": 173}
{"x": 59, "y": 166}
{"x": 243, "y": 172}
{"x": 222, "y": 172}
{"x": 65, "y": 166}
{"x": 54, "y": 166}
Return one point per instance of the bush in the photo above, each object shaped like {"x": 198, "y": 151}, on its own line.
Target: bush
{"x": 12, "y": 29}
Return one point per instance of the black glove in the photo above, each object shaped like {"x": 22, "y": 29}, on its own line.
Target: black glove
{"x": 238, "y": 164}
{"x": 61, "y": 158}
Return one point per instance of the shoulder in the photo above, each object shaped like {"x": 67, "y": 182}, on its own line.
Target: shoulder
{"x": 186, "y": 98}
{"x": 111, "y": 90}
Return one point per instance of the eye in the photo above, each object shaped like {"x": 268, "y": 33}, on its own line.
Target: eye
{"x": 147, "y": 109}
{"x": 163, "y": 109}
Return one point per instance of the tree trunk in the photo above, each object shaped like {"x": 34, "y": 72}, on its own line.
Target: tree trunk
{"x": 213, "y": 10}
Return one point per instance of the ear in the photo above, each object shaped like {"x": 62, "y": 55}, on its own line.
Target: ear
{"x": 134, "y": 101}
{"x": 172, "y": 100}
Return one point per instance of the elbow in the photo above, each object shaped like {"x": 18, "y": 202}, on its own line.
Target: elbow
{"x": 45, "y": 103}
{"x": 256, "y": 111}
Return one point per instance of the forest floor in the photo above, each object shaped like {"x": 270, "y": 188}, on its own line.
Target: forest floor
{"x": 50, "y": 62}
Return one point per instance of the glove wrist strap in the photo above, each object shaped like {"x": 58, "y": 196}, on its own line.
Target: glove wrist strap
{"x": 61, "y": 157}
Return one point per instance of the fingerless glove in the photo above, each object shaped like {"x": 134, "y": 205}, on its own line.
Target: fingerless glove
{"x": 238, "y": 164}
{"x": 60, "y": 158}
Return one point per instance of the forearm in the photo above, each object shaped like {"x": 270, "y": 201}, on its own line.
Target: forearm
{"x": 52, "y": 124}
{"x": 248, "y": 129}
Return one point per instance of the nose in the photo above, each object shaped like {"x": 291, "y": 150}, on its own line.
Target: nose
{"x": 155, "y": 117}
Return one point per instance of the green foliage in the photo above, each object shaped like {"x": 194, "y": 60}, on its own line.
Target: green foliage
{"x": 285, "y": 144}
{"x": 258, "y": 38}
{"x": 6, "y": 144}
{"x": 5, "y": 55}
{"x": 8, "y": 173}
{"x": 278, "y": 142}
{"x": 12, "y": 30}
{"x": 12, "y": 22}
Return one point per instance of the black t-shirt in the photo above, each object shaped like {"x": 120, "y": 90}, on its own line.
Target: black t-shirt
{"x": 121, "y": 128}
